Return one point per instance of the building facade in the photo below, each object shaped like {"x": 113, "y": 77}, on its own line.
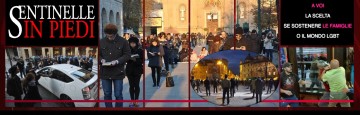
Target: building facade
{"x": 111, "y": 11}
{"x": 172, "y": 16}
{"x": 257, "y": 66}
{"x": 244, "y": 16}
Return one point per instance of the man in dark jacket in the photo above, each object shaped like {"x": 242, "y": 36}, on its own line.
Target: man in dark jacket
{"x": 240, "y": 43}
{"x": 207, "y": 86}
{"x": 215, "y": 85}
{"x": 225, "y": 84}
{"x": 232, "y": 87}
{"x": 14, "y": 85}
{"x": 259, "y": 89}
{"x": 114, "y": 53}
{"x": 270, "y": 85}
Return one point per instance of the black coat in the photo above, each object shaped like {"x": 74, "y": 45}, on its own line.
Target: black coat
{"x": 232, "y": 81}
{"x": 21, "y": 65}
{"x": 154, "y": 61}
{"x": 135, "y": 67}
{"x": 259, "y": 85}
{"x": 14, "y": 87}
{"x": 117, "y": 49}
{"x": 207, "y": 83}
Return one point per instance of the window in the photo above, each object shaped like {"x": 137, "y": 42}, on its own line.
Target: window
{"x": 61, "y": 76}
{"x": 242, "y": 10}
{"x": 212, "y": 16}
{"x": 46, "y": 72}
{"x": 83, "y": 75}
{"x": 182, "y": 13}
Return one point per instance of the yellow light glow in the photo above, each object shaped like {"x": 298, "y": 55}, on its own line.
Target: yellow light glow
{"x": 219, "y": 62}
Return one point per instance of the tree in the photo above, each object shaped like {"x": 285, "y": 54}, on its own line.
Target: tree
{"x": 132, "y": 14}
{"x": 150, "y": 6}
{"x": 269, "y": 18}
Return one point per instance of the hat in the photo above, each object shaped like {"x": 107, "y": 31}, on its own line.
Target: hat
{"x": 286, "y": 64}
{"x": 133, "y": 39}
{"x": 239, "y": 30}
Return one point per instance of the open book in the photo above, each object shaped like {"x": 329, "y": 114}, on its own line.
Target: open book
{"x": 135, "y": 55}
{"x": 107, "y": 64}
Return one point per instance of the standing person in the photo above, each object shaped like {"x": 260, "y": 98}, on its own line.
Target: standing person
{"x": 232, "y": 87}
{"x": 114, "y": 53}
{"x": 262, "y": 48}
{"x": 134, "y": 69}
{"x": 203, "y": 53}
{"x": 259, "y": 89}
{"x": 335, "y": 76}
{"x": 268, "y": 44}
{"x": 207, "y": 86}
{"x": 253, "y": 86}
{"x": 198, "y": 86}
{"x": 210, "y": 42}
{"x": 289, "y": 85}
{"x": 165, "y": 43}
{"x": 155, "y": 52}
{"x": 13, "y": 85}
{"x": 240, "y": 41}
{"x": 31, "y": 89}
{"x": 255, "y": 41}
{"x": 225, "y": 84}
{"x": 215, "y": 85}
{"x": 21, "y": 65}
{"x": 270, "y": 85}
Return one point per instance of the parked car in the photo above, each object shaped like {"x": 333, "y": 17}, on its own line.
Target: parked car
{"x": 69, "y": 82}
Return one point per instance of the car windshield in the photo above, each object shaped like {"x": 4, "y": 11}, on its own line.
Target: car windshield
{"x": 83, "y": 75}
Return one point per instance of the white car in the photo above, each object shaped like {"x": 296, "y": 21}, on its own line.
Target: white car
{"x": 69, "y": 82}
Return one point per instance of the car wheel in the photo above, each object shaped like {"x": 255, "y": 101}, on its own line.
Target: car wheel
{"x": 67, "y": 104}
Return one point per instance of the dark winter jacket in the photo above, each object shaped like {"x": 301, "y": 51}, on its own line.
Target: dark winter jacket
{"x": 135, "y": 67}
{"x": 117, "y": 49}
{"x": 155, "y": 61}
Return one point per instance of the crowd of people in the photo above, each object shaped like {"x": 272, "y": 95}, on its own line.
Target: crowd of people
{"x": 22, "y": 80}
{"x": 256, "y": 86}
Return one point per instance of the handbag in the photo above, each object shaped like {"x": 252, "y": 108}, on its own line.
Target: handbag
{"x": 169, "y": 81}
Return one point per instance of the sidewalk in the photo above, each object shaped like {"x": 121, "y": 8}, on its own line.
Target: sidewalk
{"x": 178, "y": 92}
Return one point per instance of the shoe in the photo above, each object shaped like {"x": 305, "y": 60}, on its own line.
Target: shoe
{"x": 158, "y": 87}
{"x": 131, "y": 105}
{"x": 154, "y": 85}
{"x": 136, "y": 104}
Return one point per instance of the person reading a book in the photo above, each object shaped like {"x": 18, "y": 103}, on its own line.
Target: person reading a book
{"x": 114, "y": 53}
{"x": 134, "y": 69}
{"x": 155, "y": 53}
